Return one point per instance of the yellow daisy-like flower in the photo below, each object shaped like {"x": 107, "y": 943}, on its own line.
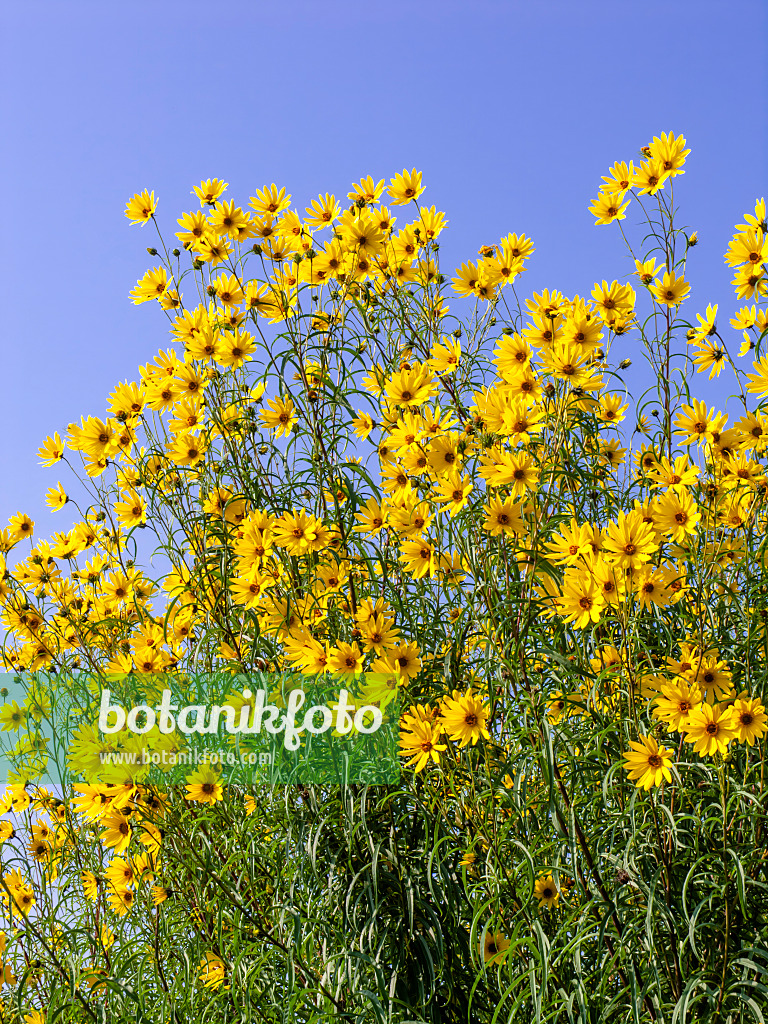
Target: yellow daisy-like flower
{"x": 405, "y": 187}
{"x": 208, "y": 191}
{"x": 411, "y": 387}
{"x": 670, "y": 290}
{"x": 141, "y": 207}
{"x": 648, "y": 764}
{"x": 159, "y": 894}
{"x": 464, "y": 717}
{"x": 629, "y": 541}
{"x": 117, "y": 834}
{"x": 211, "y": 971}
{"x": 56, "y": 498}
{"x": 204, "y": 786}
{"x": 419, "y": 557}
{"x": 546, "y": 892}
{"x": 678, "y": 699}
{"x": 710, "y": 729}
{"x": 609, "y": 206}
{"x": 750, "y": 719}
{"x": 503, "y": 517}
{"x": 419, "y": 742}
{"x": 582, "y": 600}
{"x": 402, "y": 661}
{"x": 281, "y": 416}
{"x": 494, "y": 947}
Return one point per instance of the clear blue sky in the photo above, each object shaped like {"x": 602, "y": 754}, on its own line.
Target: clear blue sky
{"x": 512, "y": 111}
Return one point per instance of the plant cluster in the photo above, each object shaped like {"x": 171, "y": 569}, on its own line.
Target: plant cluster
{"x": 563, "y": 585}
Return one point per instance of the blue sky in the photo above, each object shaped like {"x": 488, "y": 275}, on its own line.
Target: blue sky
{"x": 512, "y": 111}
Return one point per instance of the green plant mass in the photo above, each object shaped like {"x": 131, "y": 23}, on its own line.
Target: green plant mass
{"x": 505, "y": 515}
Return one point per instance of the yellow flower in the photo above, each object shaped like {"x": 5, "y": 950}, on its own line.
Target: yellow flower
{"x": 453, "y": 491}
{"x": 281, "y": 416}
{"x": 402, "y": 661}
{"x": 141, "y": 207}
{"x": 608, "y": 207}
{"x": 445, "y": 358}
{"x": 419, "y": 557}
{"x": 710, "y": 729}
{"x": 187, "y": 449}
{"x": 117, "y": 834}
{"x": 669, "y": 151}
{"x": 299, "y": 533}
{"x": 670, "y": 290}
{"x": 211, "y": 971}
{"x": 556, "y": 706}
{"x": 208, "y": 191}
{"x": 56, "y": 498}
{"x": 159, "y": 894}
{"x": 494, "y": 947}
{"x": 405, "y": 187}
{"x": 503, "y": 517}
{"x": 678, "y": 699}
{"x": 419, "y": 743}
{"x": 645, "y": 271}
{"x": 750, "y": 718}
{"x": 571, "y": 545}
{"x": 711, "y": 357}
{"x": 694, "y": 423}
{"x": 345, "y": 660}
{"x": 270, "y": 200}
{"x": 629, "y": 541}
{"x": 650, "y": 177}
{"x": 676, "y": 515}
{"x": 647, "y": 763}
{"x": 546, "y": 892}
{"x": 204, "y": 786}
{"x": 20, "y": 526}
{"x": 21, "y": 891}
{"x": 582, "y": 600}
{"x": 464, "y": 717}
{"x": 411, "y": 387}
{"x": 132, "y": 511}
{"x": 363, "y": 424}
{"x": 152, "y": 286}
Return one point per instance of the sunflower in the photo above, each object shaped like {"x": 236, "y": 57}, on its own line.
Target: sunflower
{"x": 204, "y": 786}
{"x": 419, "y": 742}
{"x": 711, "y": 729}
{"x": 211, "y": 971}
{"x": 647, "y": 763}
{"x": 749, "y": 718}
{"x": 676, "y": 702}
{"x": 494, "y": 946}
{"x": 582, "y": 600}
{"x": 117, "y": 834}
{"x": 629, "y": 541}
{"x": 464, "y": 717}
{"x": 670, "y": 290}
{"x": 502, "y": 517}
{"x": 546, "y": 892}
